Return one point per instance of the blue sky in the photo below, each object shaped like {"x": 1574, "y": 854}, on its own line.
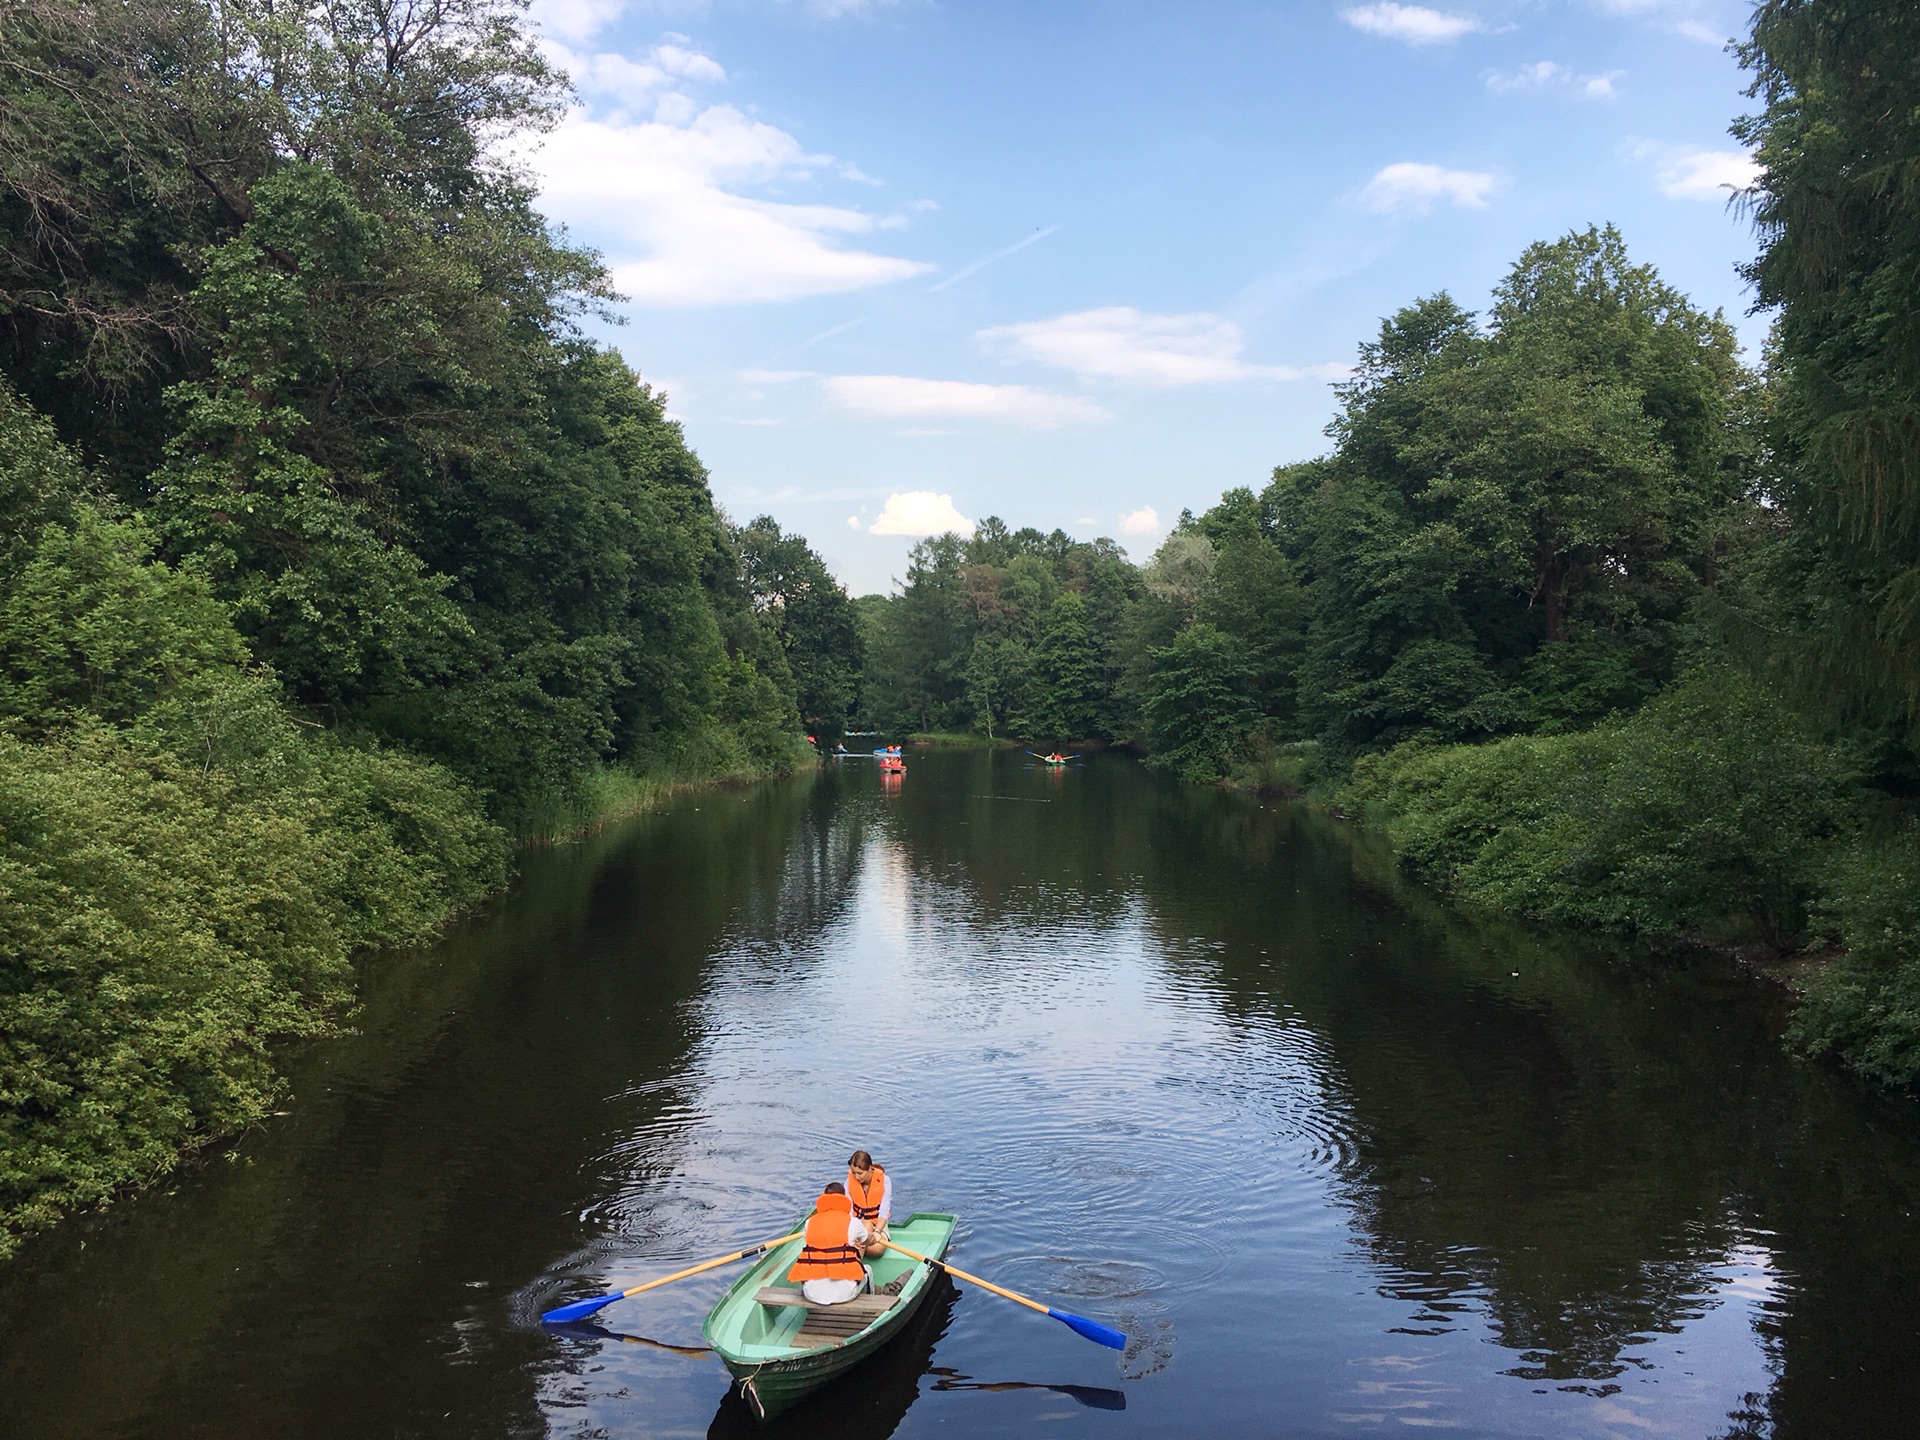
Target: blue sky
{"x": 902, "y": 265}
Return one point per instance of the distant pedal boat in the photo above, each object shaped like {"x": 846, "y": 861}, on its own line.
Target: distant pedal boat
{"x": 779, "y": 1347}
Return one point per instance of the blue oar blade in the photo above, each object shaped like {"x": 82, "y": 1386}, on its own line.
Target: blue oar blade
{"x": 1100, "y": 1334}
{"x": 578, "y": 1310}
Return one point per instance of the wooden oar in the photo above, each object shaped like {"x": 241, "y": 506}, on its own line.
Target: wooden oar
{"x": 580, "y": 1309}
{"x": 1079, "y": 1324}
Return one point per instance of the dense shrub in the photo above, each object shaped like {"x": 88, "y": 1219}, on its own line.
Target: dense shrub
{"x": 162, "y": 922}
{"x": 1712, "y": 809}
{"x": 1864, "y": 1009}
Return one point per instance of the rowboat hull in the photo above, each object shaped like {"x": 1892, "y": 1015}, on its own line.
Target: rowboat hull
{"x": 757, "y": 1341}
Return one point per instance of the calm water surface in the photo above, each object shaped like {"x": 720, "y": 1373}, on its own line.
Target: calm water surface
{"x": 1339, "y": 1160}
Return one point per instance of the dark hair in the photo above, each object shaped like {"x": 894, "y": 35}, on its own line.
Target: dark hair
{"x": 860, "y": 1160}
{"x": 834, "y": 1187}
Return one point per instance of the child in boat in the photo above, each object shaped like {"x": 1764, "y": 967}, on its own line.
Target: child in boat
{"x": 829, "y": 1267}
{"x": 870, "y": 1189}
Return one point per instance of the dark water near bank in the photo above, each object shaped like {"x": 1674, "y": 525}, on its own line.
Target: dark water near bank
{"x": 1341, "y": 1161}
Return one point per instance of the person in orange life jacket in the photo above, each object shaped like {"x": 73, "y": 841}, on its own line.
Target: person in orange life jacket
{"x": 829, "y": 1268}
{"x": 871, "y": 1190}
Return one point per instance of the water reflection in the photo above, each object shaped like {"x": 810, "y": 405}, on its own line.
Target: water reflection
{"x": 1334, "y": 1156}
{"x": 1094, "y": 1397}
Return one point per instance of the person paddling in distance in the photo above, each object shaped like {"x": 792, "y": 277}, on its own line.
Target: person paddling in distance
{"x": 829, "y": 1268}
{"x": 871, "y": 1191}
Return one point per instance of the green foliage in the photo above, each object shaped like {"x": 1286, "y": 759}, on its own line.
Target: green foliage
{"x": 383, "y": 546}
{"x": 92, "y": 625}
{"x": 1197, "y": 706}
{"x": 39, "y": 480}
{"x": 812, "y": 619}
{"x": 1514, "y": 521}
{"x": 164, "y": 923}
{"x": 1063, "y": 688}
{"x": 1838, "y": 209}
{"x": 1008, "y": 632}
{"x": 1713, "y": 810}
{"x": 1864, "y": 1007}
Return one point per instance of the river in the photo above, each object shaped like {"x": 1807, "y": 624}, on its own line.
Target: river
{"x": 1338, "y": 1158}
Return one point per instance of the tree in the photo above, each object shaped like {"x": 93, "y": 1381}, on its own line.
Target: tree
{"x": 812, "y": 619}
{"x": 1513, "y": 521}
{"x": 1063, "y": 687}
{"x": 1838, "y": 143}
{"x": 1197, "y": 707}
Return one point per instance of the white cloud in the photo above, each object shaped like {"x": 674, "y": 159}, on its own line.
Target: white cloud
{"x": 1414, "y": 24}
{"x": 574, "y": 20}
{"x": 669, "y": 189}
{"x": 1144, "y": 521}
{"x": 919, "y": 512}
{"x": 667, "y": 184}
{"x": 1165, "y": 351}
{"x": 1086, "y": 520}
{"x": 1551, "y": 75}
{"x": 1683, "y": 173}
{"x": 1704, "y": 34}
{"x": 853, "y": 522}
{"x": 1413, "y": 188}
{"x": 905, "y": 397}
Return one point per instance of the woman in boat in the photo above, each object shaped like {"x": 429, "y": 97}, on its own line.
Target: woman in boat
{"x": 870, "y": 1189}
{"x": 829, "y": 1267}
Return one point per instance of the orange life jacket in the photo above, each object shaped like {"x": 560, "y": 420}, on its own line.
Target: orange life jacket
{"x": 866, "y": 1198}
{"x": 825, "y": 1253}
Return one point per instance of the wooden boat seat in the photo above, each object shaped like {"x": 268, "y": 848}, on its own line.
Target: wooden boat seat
{"x": 828, "y": 1322}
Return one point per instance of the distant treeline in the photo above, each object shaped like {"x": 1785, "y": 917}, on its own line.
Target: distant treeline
{"x": 331, "y": 555}
{"x": 1602, "y": 624}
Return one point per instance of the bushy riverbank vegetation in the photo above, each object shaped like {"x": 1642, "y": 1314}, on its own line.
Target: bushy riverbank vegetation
{"x": 1601, "y": 623}
{"x": 332, "y": 557}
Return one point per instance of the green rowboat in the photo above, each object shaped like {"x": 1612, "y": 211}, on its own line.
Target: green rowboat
{"x": 778, "y": 1347}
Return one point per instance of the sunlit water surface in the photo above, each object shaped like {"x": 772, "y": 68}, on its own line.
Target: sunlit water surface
{"x": 1337, "y": 1159}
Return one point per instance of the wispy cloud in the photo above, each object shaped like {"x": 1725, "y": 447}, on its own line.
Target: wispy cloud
{"x": 1703, "y": 34}
{"x": 1686, "y": 173}
{"x": 1412, "y": 188}
{"x": 1551, "y": 75}
{"x": 985, "y": 260}
{"x": 908, "y": 397}
{"x": 918, "y": 513}
{"x": 1412, "y": 24}
{"x": 1144, "y": 521}
{"x": 841, "y": 9}
{"x": 1164, "y": 351}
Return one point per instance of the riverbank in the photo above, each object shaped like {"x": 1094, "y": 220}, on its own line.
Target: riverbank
{"x": 172, "y": 929}
{"x": 957, "y": 740}
{"x": 609, "y": 794}
{"x": 1714, "y": 818}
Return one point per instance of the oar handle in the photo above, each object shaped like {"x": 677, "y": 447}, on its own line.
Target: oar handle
{"x": 581, "y": 1309}
{"x": 759, "y": 1249}
{"x": 1080, "y": 1325}
{"x": 953, "y": 1269}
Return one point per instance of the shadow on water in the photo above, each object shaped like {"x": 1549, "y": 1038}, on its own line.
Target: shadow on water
{"x": 1094, "y": 1397}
